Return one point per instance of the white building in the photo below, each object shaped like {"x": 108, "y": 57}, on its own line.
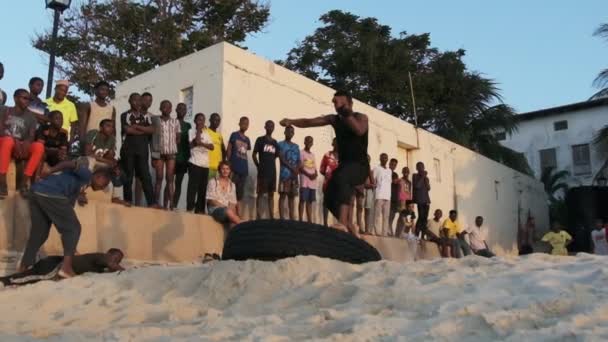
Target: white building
{"x": 562, "y": 138}
{"x": 234, "y": 82}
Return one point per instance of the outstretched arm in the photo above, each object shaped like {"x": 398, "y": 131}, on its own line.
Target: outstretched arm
{"x": 306, "y": 123}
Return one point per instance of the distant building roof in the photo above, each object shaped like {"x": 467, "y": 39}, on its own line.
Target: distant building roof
{"x": 562, "y": 109}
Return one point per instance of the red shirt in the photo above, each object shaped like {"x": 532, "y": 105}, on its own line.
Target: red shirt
{"x": 328, "y": 164}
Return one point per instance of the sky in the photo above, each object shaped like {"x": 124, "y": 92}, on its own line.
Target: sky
{"x": 541, "y": 53}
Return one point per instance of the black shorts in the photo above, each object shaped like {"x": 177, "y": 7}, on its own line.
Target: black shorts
{"x": 267, "y": 184}
{"x": 239, "y": 183}
{"x": 181, "y": 167}
{"x": 343, "y": 183}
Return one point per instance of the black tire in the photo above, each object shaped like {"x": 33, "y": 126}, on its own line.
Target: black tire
{"x": 271, "y": 240}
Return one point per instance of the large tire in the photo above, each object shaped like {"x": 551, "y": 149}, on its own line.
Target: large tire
{"x": 271, "y": 240}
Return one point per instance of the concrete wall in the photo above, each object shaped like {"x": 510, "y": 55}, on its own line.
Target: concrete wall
{"x": 234, "y": 83}
{"x": 539, "y": 134}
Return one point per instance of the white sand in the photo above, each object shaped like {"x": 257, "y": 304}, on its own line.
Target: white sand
{"x": 536, "y": 298}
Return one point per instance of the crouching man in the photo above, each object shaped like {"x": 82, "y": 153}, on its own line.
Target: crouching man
{"x": 48, "y": 268}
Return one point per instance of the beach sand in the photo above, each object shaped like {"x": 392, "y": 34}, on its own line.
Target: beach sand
{"x": 533, "y": 298}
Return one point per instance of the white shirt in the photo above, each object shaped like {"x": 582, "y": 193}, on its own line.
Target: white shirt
{"x": 599, "y": 241}
{"x": 383, "y": 178}
{"x": 434, "y": 226}
{"x": 199, "y": 155}
{"x": 477, "y": 237}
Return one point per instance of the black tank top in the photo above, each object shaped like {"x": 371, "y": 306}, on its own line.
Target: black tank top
{"x": 351, "y": 147}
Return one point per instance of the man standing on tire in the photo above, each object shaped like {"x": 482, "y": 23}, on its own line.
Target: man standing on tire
{"x": 351, "y": 130}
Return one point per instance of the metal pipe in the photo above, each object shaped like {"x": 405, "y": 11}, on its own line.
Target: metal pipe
{"x": 49, "y": 83}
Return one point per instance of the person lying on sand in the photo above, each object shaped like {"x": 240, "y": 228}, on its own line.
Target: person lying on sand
{"x": 48, "y": 268}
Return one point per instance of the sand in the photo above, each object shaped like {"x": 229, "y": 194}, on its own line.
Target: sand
{"x": 534, "y": 298}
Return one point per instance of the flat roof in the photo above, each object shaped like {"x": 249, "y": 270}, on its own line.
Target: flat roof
{"x": 562, "y": 109}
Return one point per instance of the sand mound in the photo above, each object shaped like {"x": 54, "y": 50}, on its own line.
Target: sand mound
{"x": 529, "y": 299}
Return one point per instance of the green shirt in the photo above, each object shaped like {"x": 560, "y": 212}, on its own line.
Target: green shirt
{"x": 100, "y": 146}
{"x": 183, "y": 149}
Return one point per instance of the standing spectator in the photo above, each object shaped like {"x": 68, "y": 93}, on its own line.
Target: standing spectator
{"x": 289, "y": 156}
{"x": 368, "y": 199}
{"x": 434, "y": 234}
{"x": 328, "y": 164}
{"x": 382, "y": 179}
{"x": 101, "y": 144}
{"x": 198, "y": 171}
{"x": 66, "y": 107}
{"x": 525, "y": 234}
{"x": 478, "y": 236}
{"x": 52, "y": 202}
{"x": 54, "y": 138}
{"x": 558, "y": 238}
{"x": 221, "y": 197}
{"x": 218, "y": 154}
{"x": 2, "y": 93}
{"x": 94, "y": 112}
{"x": 136, "y": 131}
{"x": 395, "y": 190}
{"x": 452, "y": 230}
{"x": 236, "y": 153}
{"x": 267, "y": 149}
{"x": 183, "y": 151}
{"x": 421, "y": 187}
{"x": 168, "y": 137}
{"x": 308, "y": 180}
{"x": 599, "y": 239}
{"x": 38, "y": 107}
{"x": 17, "y": 133}
{"x": 405, "y": 189}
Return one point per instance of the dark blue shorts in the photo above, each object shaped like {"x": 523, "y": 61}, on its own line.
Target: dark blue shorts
{"x": 308, "y": 195}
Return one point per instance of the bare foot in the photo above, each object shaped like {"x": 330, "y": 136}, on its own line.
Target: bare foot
{"x": 355, "y": 231}
{"x": 63, "y": 273}
{"x": 339, "y": 226}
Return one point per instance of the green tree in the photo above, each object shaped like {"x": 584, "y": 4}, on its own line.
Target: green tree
{"x": 601, "y": 81}
{"x": 114, "y": 40}
{"x": 556, "y": 188}
{"x": 363, "y": 57}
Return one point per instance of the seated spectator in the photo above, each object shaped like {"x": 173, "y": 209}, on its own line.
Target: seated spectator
{"x": 455, "y": 235}
{"x": 48, "y": 268}
{"x": 17, "y": 133}
{"x": 407, "y": 221}
{"x": 101, "y": 143}
{"x": 558, "y": 238}
{"x": 477, "y": 237}
{"x": 2, "y": 93}
{"x": 54, "y": 138}
{"x": 221, "y": 197}
{"x": 433, "y": 233}
{"x": 60, "y": 102}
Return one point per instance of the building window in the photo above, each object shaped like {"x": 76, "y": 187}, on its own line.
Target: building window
{"x": 548, "y": 159}
{"x": 581, "y": 160}
{"x": 500, "y": 136}
{"x": 437, "y": 168}
{"x": 560, "y": 125}
{"x": 187, "y": 96}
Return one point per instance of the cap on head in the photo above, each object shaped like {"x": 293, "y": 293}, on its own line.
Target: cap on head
{"x": 62, "y": 83}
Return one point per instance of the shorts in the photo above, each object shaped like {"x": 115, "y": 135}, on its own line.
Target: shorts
{"x": 267, "y": 185}
{"x": 181, "y": 167}
{"x": 219, "y": 214}
{"x": 163, "y": 157}
{"x": 289, "y": 187}
{"x": 342, "y": 184}
{"x": 239, "y": 183}
{"x": 308, "y": 195}
{"x": 212, "y": 173}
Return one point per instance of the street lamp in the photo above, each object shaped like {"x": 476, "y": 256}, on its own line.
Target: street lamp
{"x": 58, "y": 6}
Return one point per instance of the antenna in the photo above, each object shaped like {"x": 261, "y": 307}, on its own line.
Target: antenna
{"x": 409, "y": 75}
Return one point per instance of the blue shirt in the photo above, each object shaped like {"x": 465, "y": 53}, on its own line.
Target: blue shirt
{"x": 66, "y": 184}
{"x": 238, "y": 157}
{"x": 291, "y": 155}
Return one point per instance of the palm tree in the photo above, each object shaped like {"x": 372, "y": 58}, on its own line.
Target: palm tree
{"x": 554, "y": 182}
{"x": 601, "y": 81}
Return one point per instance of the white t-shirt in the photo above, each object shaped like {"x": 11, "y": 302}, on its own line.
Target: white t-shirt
{"x": 199, "y": 155}
{"x": 477, "y": 237}
{"x": 599, "y": 241}
{"x": 383, "y": 179}
{"x": 434, "y": 226}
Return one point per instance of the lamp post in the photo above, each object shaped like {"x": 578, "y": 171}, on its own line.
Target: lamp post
{"x": 58, "y": 6}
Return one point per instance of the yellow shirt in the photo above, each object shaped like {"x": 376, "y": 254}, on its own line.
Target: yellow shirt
{"x": 215, "y": 156}
{"x": 558, "y": 242}
{"x": 67, "y": 108}
{"x": 452, "y": 226}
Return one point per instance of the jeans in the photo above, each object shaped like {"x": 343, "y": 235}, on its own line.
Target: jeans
{"x": 460, "y": 247}
{"x": 135, "y": 163}
{"x": 196, "y": 198}
{"x": 484, "y": 253}
{"x": 381, "y": 216}
{"x": 423, "y": 216}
